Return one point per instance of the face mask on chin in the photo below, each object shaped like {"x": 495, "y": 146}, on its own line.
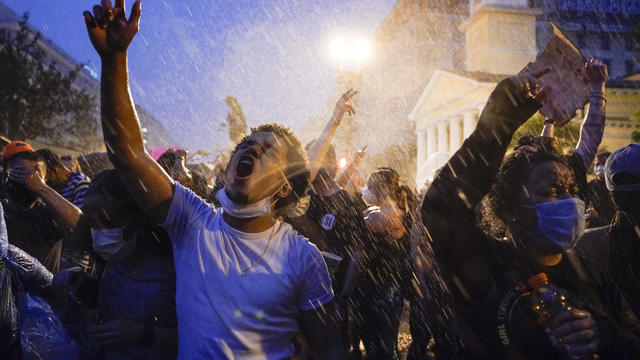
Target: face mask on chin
{"x": 560, "y": 225}
{"x": 245, "y": 211}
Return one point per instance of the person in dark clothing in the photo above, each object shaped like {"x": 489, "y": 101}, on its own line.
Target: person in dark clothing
{"x": 136, "y": 291}
{"x": 333, "y": 222}
{"x": 599, "y": 194}
{"x": 384, "y": 263}
{"x": 19, "y": 273}
{"x": 431, "y": 311}
{"x": 485, "y": 272}
{"x": 622, "y": 175}
{"x": 38, "y": 218}
{"x": 71, "y": 185}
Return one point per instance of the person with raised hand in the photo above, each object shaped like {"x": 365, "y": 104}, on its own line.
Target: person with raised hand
{"x": 243, "y": 279}
{"x": 530, "y": 217}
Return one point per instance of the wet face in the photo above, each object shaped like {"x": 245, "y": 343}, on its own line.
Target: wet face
{"x": 68, "y": 162}
{"x": 546, "y": 181}
{"x": 255, "y": 170}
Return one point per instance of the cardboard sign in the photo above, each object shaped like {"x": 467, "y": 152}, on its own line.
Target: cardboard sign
{"x": 568, "y": 77}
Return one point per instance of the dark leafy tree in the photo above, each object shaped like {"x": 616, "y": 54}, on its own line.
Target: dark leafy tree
{"x": 567, "y": 135}
{"x": 39, "y": 98}
{"x": 236, "y": 123}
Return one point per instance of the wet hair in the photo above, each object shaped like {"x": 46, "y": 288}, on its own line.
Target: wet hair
{"x": 297, "y": 171}
{"x": 167, "y": 160}
{"x": 108, "y": 185}
{"x": 510, "y": 179}
{"x": 50, "y": 159}
{"x": 388, "y": 180}
{"x": 603, "y": 156}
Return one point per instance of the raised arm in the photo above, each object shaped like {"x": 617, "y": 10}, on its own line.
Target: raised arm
{"x": 467, "y": 176}
{"x": 319, "y": 149}
{"x": 111, "y": 33}
{"x": 68, "y": 213}
{"x": 593, "y": 125}
{"x": 344, "y": 176}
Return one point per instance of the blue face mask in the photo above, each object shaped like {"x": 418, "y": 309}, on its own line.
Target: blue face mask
{"x": 560, "y": 224}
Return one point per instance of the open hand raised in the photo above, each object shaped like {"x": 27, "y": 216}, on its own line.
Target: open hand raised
{"x": 343, "y": 106}
{"x": 108, "y": 27}
{"x": 527, "y": 86}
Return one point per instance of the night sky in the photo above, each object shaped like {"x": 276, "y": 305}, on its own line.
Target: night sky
{"x": 272, "y": 55}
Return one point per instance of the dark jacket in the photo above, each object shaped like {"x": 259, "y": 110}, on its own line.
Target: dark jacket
{"x": 486, "y": 276}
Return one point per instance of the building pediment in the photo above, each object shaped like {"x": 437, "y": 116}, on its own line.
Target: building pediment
{"x": 447, "y": 92}
{"x": 442, "y": 88}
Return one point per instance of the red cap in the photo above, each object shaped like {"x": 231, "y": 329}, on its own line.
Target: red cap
{"x": 536, "y": 281}
{"x": 15, "y": 147}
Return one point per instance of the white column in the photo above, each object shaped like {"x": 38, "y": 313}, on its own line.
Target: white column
{"x": 431, "y": 140}
{"x": 454, "y": 133}
{"x": 443, "y": 145}
{"x": 469, "y": 122}
{"x": 422, "y": 146}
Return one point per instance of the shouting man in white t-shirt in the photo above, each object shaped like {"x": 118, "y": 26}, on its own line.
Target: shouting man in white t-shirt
{"x": 243, "y": 278}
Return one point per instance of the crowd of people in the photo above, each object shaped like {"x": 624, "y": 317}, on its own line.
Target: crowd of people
{"x": 278, "y": 254}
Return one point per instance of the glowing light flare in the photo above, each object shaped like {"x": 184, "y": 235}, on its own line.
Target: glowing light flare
{"x": 361, "y": 50}
{"x": 350, "y": 49}
{"x": 338, "y": 48}
{"x": 342, "y": 162}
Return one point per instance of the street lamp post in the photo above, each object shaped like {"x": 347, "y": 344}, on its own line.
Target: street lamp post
{"x": 352, "y": 51}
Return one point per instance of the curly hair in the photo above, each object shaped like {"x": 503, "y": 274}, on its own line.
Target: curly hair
{"x": 297, "y": 171}
{"x": 513, "y": 173}
{"x": 388, "y": 180}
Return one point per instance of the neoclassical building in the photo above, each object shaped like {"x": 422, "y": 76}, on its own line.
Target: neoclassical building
{"x": 501, "y": 37}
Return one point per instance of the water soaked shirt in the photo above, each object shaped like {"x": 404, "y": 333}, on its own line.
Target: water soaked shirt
{"x": 225, "y": 310}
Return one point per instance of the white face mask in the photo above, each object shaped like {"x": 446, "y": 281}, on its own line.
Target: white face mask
{"x": 111, "y": 244}
{"x": 253, "y": 210}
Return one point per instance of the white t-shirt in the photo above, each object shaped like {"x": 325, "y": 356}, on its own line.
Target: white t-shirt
{"x": 223, "y": 314}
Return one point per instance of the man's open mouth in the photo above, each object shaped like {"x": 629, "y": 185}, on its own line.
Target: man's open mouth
{"x": 244, "y": 168}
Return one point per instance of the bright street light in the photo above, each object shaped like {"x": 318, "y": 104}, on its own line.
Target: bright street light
{"x": 361, "y": 50}
{"x": 350, "y": 50}
{"x": 338, "y": 48}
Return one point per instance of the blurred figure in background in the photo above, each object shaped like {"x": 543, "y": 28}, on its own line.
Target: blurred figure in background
{"x": 136, "y": 296}
{"x": 38, "y": 217}
{"x": 599, "y": 195}
{"x": 174, "y": 162}
{"x": 622, "y": 176}
{"x": 71, "y": 163}
{"x": 72, "y": 185}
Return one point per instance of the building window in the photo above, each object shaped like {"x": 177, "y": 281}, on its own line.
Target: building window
{"x": 630, "y": 66}
{"x": 605, "y": 41}
{"x": 628, "y": 43}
